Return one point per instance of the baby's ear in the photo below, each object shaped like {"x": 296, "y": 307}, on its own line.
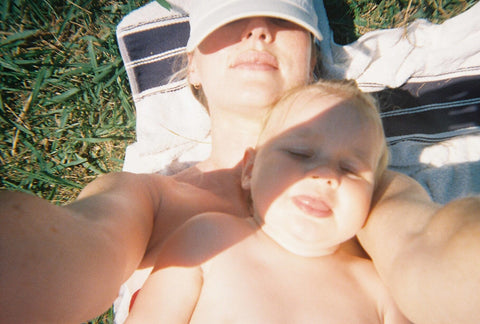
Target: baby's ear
{"x": 247, "y": 167}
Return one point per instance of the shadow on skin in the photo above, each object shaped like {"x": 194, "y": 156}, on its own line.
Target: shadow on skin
{"x": 205, "y": 236}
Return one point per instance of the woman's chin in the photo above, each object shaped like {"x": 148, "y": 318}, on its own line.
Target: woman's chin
{"x": 259, "y": 95}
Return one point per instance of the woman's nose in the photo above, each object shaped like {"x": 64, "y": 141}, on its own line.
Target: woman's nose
{"x": 258, "y": 28}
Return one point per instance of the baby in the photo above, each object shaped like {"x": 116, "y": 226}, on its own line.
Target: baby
{"x": 311, "y": 179}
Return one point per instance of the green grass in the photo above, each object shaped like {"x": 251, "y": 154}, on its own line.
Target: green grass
{"x": 66, "y": 113}
{"x": 350, "y": 19}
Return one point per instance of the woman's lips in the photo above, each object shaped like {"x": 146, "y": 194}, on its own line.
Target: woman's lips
{"x": 312, "y": 206}
{"x": 255, "y": 60}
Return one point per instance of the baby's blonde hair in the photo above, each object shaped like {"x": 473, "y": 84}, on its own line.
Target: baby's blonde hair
{"x": 349, "y": 91}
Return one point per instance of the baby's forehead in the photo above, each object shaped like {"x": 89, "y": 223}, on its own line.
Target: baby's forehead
{"x": 291, "y": 109}
{"x": 286, "y": 114}
{"x": 311, "y": 104}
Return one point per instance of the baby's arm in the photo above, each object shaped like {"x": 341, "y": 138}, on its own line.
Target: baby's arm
{"x": 425, "y": 253}
{"x": 169, "y": 295}
{"x": 172, "y": 290}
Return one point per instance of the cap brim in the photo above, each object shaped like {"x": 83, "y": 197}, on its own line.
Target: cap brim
{"x": 224, "y": 15}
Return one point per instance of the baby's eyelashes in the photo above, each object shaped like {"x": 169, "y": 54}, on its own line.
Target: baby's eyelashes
{"x": 300, "y": 153}
{"x": 350, "y": 171}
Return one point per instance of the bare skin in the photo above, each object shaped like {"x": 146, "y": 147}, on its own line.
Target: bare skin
{"x": 283, "y": 265}
{"x": 101, "y": 238}
{"x": 74, "y": 274}
{"x": 105, "y": 252}
{"x": 427, "y": 254}
{"x": 228, "y": 270}
{"x": 113, "y": 207}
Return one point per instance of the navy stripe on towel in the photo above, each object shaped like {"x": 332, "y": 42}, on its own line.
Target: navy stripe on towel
{"x": 145, "y": 43}
{"x": 431, "y": 107}
{"x": 154, "y": 74}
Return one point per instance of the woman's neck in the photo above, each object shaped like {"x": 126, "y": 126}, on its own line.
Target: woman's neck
{"x": 232, "y": 133}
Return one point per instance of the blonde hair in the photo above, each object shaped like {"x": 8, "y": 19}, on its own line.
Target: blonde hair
{"x": 348, "y": 90}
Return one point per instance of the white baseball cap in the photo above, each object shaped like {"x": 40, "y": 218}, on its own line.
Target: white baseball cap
{"x": 208, "y": 15}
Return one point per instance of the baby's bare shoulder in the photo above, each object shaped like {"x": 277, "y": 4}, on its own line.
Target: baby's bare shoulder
{"x": 203, "y": 237}
{"x": 220, "y": 226}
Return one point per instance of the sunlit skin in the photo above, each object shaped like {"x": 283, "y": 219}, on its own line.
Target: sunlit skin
{"x": 241, "y": 52}
{"x": 314, "y": 183}
{"x": 127, "y": 217}
{"x": 283, "y": 265}
{"x": 251, "y": 63}
{"x": 120, "y": 221}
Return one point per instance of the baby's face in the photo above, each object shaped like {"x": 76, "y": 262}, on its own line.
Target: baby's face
{"x": 313, "y": 177}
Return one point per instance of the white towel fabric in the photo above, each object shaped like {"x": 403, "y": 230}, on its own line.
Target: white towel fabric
{"x": 420, "y": 52}
{"x": 173, "y": 129}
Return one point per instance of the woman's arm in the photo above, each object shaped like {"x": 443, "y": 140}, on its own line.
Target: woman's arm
{"x": 428, "y": 255}
{"x": 66, "y": 264}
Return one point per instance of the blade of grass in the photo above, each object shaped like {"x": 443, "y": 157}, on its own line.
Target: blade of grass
{"x": 165, "y": 4}
{"x": 18, "y": 36}
{"x": 64, "y": 96}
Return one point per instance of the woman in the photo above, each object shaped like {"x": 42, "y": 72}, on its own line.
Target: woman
{"x": 65, "y": 264}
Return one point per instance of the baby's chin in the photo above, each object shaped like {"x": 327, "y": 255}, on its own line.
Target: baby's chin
{"x": 300, "y": 247}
